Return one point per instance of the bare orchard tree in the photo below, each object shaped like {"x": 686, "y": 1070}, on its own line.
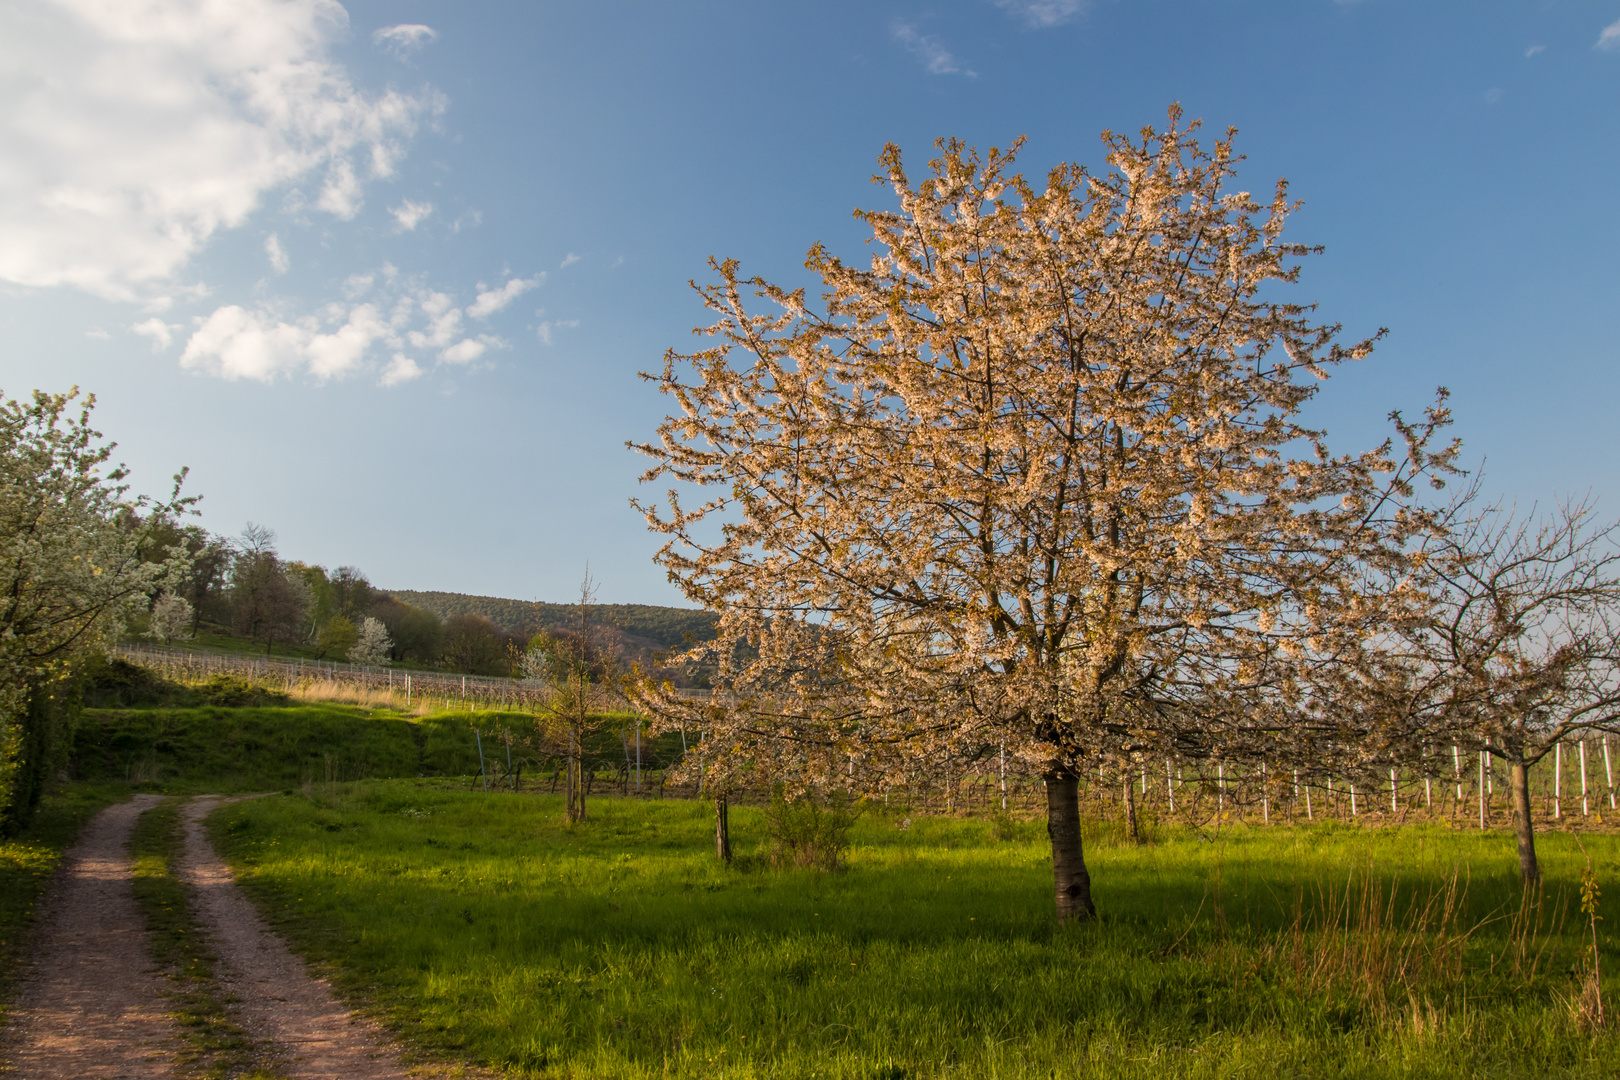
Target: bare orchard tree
{"x": 1519, "y": 650}
{"x": 1025, "y": 479}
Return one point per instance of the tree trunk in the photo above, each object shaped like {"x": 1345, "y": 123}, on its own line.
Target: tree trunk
{"x": 1519, "y": 781}
{"x": 722, "y": 828}
{"x": 1072, "y": 882}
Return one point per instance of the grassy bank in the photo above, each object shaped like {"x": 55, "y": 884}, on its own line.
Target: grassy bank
{"x": 217, "y": 748}
{"x": 485, "y": 929}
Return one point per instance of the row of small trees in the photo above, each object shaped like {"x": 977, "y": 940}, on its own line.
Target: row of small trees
{"x": 1034, "y": 481}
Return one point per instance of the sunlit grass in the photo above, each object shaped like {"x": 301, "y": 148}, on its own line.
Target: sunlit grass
{"x": 485, "y": 929}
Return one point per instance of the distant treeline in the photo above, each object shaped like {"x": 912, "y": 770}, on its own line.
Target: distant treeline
{"x": 668, "y": 626}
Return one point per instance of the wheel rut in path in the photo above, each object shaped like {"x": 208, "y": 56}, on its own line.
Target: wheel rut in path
{"x": 91, "y": 1001}
{"x": 277, "y": 999}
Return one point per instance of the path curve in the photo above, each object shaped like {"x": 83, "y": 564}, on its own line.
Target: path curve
{"x": 278, "y": 1001}
{"x": 91, "y": 1002}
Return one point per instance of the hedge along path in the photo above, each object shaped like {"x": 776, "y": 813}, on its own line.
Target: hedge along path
{"x": 277, "y": 999}
{"x": 91, "y": 1003}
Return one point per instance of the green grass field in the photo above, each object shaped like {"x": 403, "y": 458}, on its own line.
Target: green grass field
{"x": 483, "y": 928}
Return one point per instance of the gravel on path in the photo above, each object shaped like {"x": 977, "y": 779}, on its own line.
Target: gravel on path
{"x": 91, "y": 1001}
{"x": 277, "y": 1000}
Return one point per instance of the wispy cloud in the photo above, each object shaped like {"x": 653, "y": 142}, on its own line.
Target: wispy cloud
{"x": 545, "y": 330}
{"x": 492, "y": 300}
{"x": 404, "y": 40}
{"x": 935, "y": 57}
{"x": 98, "y": 335}
{"x": 408, "y": 215}
{"x": 1532, "y": 50}
{"x": 1610, "y": 38}
{"x": 276, "y": 254}
{"x": 1043, "y": 13}
{"x": 569, "y": 260}
{"x": 161, "y": 333}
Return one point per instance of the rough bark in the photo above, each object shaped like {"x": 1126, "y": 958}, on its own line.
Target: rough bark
{"x": 1523, "y": 824}
{"x": 722, "y": 828}
{"x": 1070, "y": 879}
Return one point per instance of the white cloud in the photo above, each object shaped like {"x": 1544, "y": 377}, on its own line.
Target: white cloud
{"x": 411, "y": 214}
{"x": 464, "y": 351}
{"x": 235, "y": 343}
{"x": 136, "y": 130}
{"x": 545, "y": 328}
{"x": 569, "y": 260}
{"x": 1043, "y": 12}
{"x": 98, "y": 335}
{"x": 492, "y": 300}
{"x": 405, "y": 39}
{"x": 1493, "y": 95}
{"x": 276, "y": 253}
{"x": 1610, "y": 38}
{"x": 936, "y": 58}
{"x": 1532, "y": 50}
{"x": 161, "y": 333}
{"x": 444, "y": 319}
{"x": 384, "y": 314}
{"x": 400, "y": 369}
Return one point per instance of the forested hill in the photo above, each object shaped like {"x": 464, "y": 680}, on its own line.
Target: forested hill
{"x": 668, "y": 626}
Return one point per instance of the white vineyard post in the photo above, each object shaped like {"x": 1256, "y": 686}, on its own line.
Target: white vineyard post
{"x": 1584, "y": 808}
{"x": 1265, "y": 793}
{"x": 1352, "y": 798}
{"x": 1482, "y": 755}
{"x": 1003, "y": 774}
{"x": 1558, "y": 780}
{"x": 1608, "y": 771}
{"x": 1170, "y": 784}
{"x": 1394, "y": 803}
{"x": 1220, "y": 772}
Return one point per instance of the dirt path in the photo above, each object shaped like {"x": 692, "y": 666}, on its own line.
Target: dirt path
{"x": 278, "y": 1000}
{"x": 91, "y": 1002}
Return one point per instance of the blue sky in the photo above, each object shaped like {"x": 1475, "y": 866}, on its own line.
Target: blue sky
{"x": 383, "y": 274}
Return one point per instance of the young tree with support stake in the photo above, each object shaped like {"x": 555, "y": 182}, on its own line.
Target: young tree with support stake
{"x": 577, "y": 668}
{"x": 1035, "y": 475}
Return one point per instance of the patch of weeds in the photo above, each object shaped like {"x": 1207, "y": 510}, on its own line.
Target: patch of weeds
{"x": 213, "y": 1045}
